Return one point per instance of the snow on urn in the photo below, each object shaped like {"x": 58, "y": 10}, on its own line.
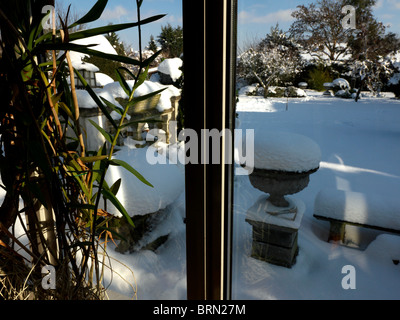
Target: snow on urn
{"x": 283, "y": 162}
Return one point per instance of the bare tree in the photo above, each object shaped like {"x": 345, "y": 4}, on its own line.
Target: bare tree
{"x": 318, "y": 28}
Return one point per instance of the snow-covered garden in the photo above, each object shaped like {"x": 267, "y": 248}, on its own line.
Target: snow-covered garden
{"x": 359, "y": 153}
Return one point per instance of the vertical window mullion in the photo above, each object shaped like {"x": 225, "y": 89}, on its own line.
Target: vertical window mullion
{"x": 208, "y": 212}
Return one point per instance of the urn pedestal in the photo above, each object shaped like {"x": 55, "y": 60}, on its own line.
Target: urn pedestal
{"x": 276, "y": 218}
{"x": 274, "y": 236}
{"x": 282, "y": 167}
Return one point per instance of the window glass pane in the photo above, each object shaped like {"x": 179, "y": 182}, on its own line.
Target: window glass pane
{"x": 150, "y": 263}
{"x": 318, "y": 216}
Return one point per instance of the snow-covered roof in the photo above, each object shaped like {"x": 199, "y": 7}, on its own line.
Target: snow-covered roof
{"x": 102, "y": 45}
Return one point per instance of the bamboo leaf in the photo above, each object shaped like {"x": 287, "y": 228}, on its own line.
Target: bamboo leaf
{"x": 142, "y": 77}
{"x": 76, "y": 173}
{"x": 128, "y": 71}
{"x": 93, "y": 14}
{"x": 123, "y": 83}
{"x": 144, "y": 97}
{"x": 130, "y": 169}
{"x": 92, "y": 158}
{"x": 112, "y": 106}
{"x": 113, "y": 199}
{"x": 112, "y": 28}
{"x": 56, "y": 98}
{"x": 139, "y": 121}
{"x": 152, "y": 58}
{"x": 115, "y": 187}
{"x": 102, "y": 131}
{"x": 66, "y": 109}
{"x": 95, "y": 97}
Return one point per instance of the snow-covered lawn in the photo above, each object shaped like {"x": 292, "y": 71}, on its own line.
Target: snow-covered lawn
{"x": 360, "y": 147}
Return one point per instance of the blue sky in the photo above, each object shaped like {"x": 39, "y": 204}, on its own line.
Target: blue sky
{"x": 256, "y": 17}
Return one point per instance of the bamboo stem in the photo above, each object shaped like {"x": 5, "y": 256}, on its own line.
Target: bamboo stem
{"x": 74, "y": 99}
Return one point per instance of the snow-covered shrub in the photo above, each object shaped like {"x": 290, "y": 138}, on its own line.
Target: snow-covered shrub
{"x": 273, "y": 61}
{"x": 291, "y": 92}
{"x": 341, "y": 88}
{"x": 373, "y": 74}
{"x": 393, "y": 83}
{"x": 273, "y": 91}
{"x": 341, "y": 84}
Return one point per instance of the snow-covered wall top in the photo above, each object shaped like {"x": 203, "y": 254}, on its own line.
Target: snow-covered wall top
{"x": 113, "y": 90}
{"x": 171, "y": 67}
{"x": 285, "y": 151}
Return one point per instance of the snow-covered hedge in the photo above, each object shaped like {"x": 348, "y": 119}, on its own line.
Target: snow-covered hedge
{"x": 273, "y": 91}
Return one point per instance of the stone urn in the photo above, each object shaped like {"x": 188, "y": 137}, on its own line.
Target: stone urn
{"x": 283, "y": 163}
{"x": 328, "y": 89}
{"x": 279, "y": 183}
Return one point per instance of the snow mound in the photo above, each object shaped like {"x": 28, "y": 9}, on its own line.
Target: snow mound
{"x": 285, "y": 151}
{"x": 357, "y": 207}
{"x": 385, "y": 247}
{"x": 341, "y": 83}
{"x": 137, "y": 197}
{"x": 85, "y": 101}
{"x": 102, "y": 79}
{"x": 171, "y": 67}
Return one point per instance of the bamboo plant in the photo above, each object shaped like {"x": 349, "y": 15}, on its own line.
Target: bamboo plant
{"x": 44, "y": 160}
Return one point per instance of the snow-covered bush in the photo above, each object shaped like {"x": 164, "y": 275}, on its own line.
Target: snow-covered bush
{"x": 394, "y": 81}
{"x": 373, "y": 74}
{"x": 275, "y": 60}
{"x": 273, "y": 91}
{"x": 341, "y": 88}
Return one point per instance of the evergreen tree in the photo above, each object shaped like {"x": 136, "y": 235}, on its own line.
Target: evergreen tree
{"x": 152, "y": 44}
{"x": 117, "y": 44}
{"x": 171, "y": 41}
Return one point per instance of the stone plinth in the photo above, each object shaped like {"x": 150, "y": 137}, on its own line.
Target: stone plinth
{"x": 275, "y": 232}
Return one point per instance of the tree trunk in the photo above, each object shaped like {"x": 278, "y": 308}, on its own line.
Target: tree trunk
{"x": 359, "y": 91}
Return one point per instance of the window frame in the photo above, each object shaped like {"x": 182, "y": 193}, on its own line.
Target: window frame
{"x": 209, "y": 33}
